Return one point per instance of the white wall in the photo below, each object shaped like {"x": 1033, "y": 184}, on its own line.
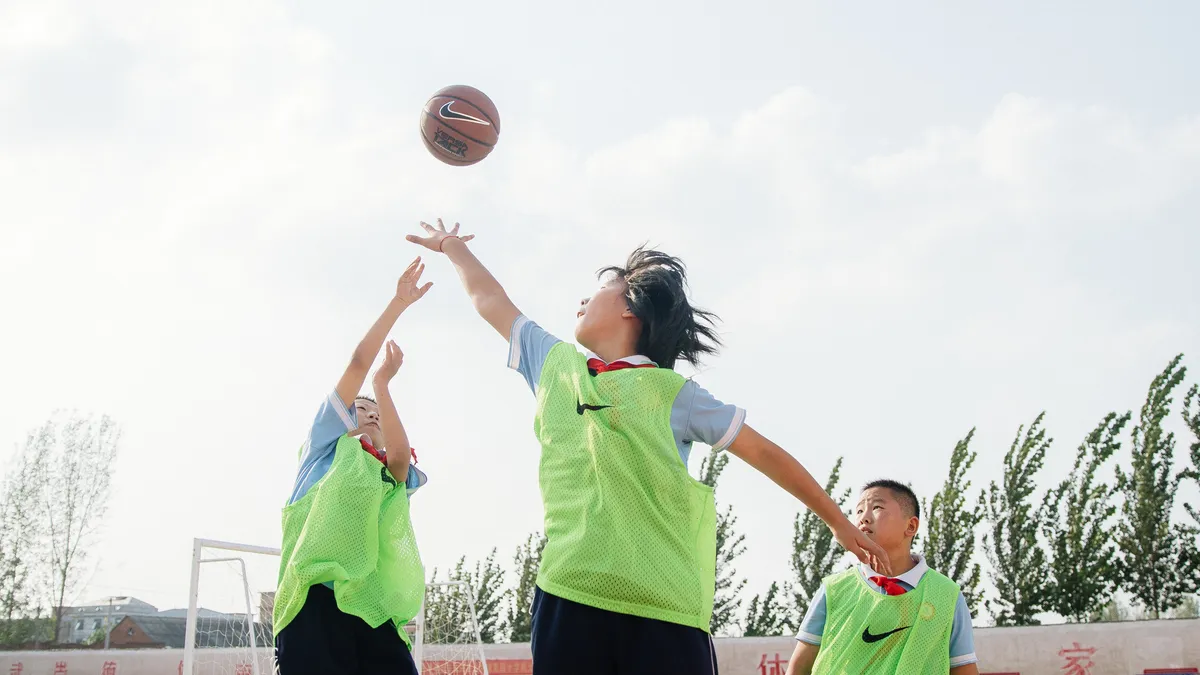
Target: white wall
{"x": 1111, "y": 649}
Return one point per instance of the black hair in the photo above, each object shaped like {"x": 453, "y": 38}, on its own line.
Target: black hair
{"x": 364, "y": 397}
{"x": 902, "y": 493}
{"x": 656, "y": 292}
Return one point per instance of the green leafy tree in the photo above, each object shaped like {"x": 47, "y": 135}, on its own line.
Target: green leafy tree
{"x": 19, "y": 555}
{"x": 1019, "y": 568}
{"x": 1158, "y": 560}
{"x": 448, "y": 608}
{"x": 768, "y": 616}
{"x": 815, "y": 553}
{"x": 730, "y": 544}
{"x": 949, "y": 543}
{"x": 519, "y": 622}
{"x": 1191, "y": 416}
{"x": 1079, "y": 528}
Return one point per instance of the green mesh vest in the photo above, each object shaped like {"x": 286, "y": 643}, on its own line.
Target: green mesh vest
{"x": 628, "y": 530}
{"x": 869, "y": 632}
{"x": 352, "y": 528}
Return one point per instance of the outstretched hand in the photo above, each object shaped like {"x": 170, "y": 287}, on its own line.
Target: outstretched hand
{"x": 407, "y": 290}
{"x": 437, "y": 236}
{"x": 393, "y": 358}
{"x": 867, "y": 551}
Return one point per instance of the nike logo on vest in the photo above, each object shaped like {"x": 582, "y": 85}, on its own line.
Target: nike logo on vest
{"x": 869, "y": 638}
{"x": 580, "y": 407}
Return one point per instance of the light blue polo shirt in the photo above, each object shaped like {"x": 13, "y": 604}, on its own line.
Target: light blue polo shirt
{"x": 695, "y": 414}
{"x": 962, "y": 639}
{"x": 316, "y": 456}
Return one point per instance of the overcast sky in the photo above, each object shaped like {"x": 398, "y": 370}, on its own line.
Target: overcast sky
{"x": 913, "y": 221}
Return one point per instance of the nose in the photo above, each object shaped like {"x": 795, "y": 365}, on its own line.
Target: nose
{"x": 865, "y": 518}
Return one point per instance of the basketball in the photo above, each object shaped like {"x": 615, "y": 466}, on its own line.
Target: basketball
{"x": 460, "y": 125}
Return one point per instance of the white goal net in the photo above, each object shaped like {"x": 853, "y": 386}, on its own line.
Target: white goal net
{"x": 232, "y": 597}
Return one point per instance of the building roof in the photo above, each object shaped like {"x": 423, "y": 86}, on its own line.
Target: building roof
{"x": 216, "y": 632}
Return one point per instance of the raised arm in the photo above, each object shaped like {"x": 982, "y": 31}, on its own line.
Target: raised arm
{"x": 775, "y": 463}
{"x": 408, "y": 291}
{"x": 487, "y": 295}
{"x": 395, "y": 438}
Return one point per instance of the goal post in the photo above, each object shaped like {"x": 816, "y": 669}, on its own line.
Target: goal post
{"x": 231, "y": 598}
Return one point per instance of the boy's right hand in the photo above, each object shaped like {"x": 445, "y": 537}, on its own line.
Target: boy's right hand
{"x": 867, "y": 551}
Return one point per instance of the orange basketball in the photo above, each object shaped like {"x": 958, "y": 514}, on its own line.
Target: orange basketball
{"x": 460, "y": 125}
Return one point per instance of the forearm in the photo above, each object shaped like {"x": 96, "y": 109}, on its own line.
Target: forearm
{"x": 783, "y": 469}
{"x": 487, "y": 295}
{"x": 364, "y": 354}
{"x": 368, "y": 348}
{"x": 398, "y": 450}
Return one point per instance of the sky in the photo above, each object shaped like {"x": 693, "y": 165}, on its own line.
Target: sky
{"x": 913, "y": 221}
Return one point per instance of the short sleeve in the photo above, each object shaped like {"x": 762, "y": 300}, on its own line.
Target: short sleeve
{"x": 528, "y": 346}
{"x": 813, "y": 625}
{"x": 962, "y": 636}
{"x": 416, "y": 479}
{"x": 698, "y": 416}
{"x": 332, "y": 421}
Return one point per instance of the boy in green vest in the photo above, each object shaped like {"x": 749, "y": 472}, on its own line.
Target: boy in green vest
{"x": 861, "y": 621}
{"x": 350, "y": 575}
{"x": 626, "y": 580}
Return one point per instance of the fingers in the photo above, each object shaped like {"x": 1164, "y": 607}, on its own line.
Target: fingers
{"x": 411, "y": 266}
{"x": 424, "y": 289}
{"x": 454, "y": 232}
{"x": 467, "y": 238}
{"x": 428, "y": 227}
{"x": 441, "y": 227}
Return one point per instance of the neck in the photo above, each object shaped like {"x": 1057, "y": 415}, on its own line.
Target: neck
{"x": 902, "y": 559}
{"x": 613, "y": 350}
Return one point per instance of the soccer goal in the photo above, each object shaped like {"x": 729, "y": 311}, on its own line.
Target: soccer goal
{"x": 232, "y": 597}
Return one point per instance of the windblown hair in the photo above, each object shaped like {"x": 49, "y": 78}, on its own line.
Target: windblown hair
{"x": 656, "y": 291}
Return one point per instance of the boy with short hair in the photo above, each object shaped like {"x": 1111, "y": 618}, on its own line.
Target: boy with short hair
{"x": 626, "y": 581}
{"x": 350, "y": 574}
{"x": 861, "y": 621}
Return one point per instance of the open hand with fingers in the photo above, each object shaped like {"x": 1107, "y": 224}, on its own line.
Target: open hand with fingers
{"x": 437, "y": 236}
{"x": 408, "y": 289}
{"x": 393, "y": 358}
{"x": 867, "y": 551}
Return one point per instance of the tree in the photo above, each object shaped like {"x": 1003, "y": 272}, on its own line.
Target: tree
{"x": 19, "y": 537}
{"x": 1018, "y": 561}
{"x": 1192, "y": 419}
{"x": 72, "y": 463}
{"x": 770, "y": 616}
{"x": 730, "y": 544}
{"x": 1083, "y": 559}
{"x": 519, "y": 622}
{"x": 815, "y": 553}
{"x": 949, "y": 543}
{"x": 487, "y": 585}
{"x": 1158, "y": 561}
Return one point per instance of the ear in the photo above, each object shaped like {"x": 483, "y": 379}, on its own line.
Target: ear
{"x": 628, "y": 313}
{"x": 914, "y": 524}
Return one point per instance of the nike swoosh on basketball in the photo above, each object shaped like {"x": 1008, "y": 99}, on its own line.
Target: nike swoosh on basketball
{"x": 869, "y": 638}
{"x": 449, "y": 114}
{"x": 580, "y": 407}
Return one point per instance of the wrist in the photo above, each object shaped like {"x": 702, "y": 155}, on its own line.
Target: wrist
{"x": 380, "y": 384}
{"x": 445, "y": 240}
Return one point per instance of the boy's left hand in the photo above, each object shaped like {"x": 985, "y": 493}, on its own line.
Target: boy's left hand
{"x": 392, "y": 360}
{"x": 407, "y": 289}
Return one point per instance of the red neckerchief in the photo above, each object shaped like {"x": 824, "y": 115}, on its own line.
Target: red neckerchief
{"x": 380, "y": 455}
{"x": 597, "y": 366}
{"x": 890, "y": 585}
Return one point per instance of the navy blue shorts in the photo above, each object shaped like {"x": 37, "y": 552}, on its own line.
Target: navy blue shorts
{"x": 574, "y": 639}
{"x": 324, "y": 640}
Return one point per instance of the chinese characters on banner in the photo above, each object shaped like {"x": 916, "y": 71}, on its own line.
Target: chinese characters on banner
{"x": 1078, "y": 659}
{"x": 768, "y": 666}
